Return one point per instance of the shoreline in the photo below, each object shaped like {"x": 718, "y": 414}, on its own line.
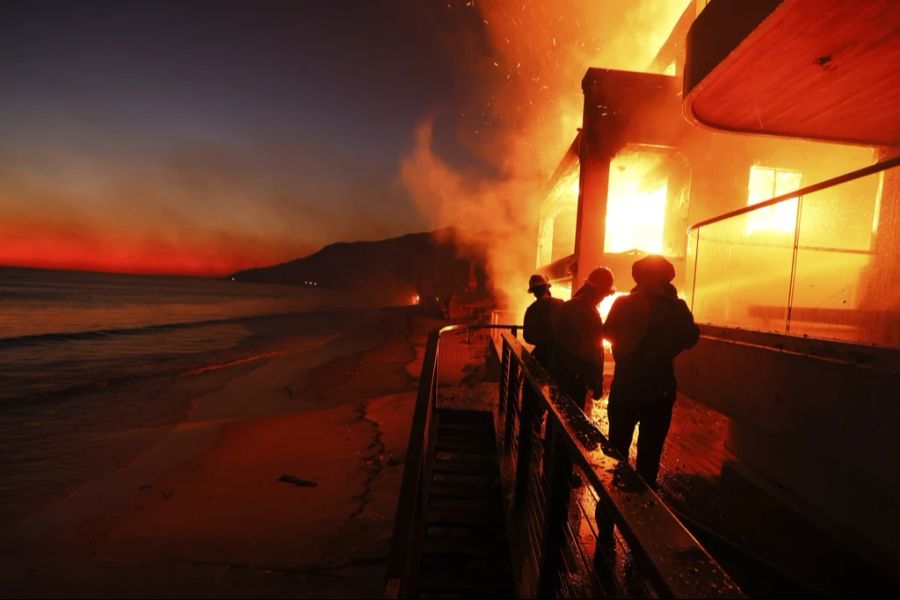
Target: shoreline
{"x": 112, "y": 432}
{"x": 201, "y": 511}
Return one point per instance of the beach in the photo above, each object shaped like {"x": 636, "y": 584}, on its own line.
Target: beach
{"x": 281, "y": 480}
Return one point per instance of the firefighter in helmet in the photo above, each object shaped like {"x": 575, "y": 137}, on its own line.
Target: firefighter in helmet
{"x": 539, "y": 318}
{"x": 578, "y": 359}
{"x": 647, "y": 329}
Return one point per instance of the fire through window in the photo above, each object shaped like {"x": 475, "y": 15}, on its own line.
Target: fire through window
{"x": 636, "y": 205}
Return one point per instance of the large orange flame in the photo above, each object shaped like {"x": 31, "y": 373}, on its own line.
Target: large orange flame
{"x": 524, "y": 112}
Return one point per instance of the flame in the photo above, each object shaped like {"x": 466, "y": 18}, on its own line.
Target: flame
{"x": 523, "y": 110}
{"x": 607, "y": 303}
{"x": 542, "y": 49}
{"x": 564, "y": 292}
{"x": 636, "y": 207}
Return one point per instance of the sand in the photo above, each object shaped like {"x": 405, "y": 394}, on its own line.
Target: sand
{"x": 202, "y": 512}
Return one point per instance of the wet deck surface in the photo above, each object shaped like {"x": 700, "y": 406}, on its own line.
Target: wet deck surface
{"x": 770, "y": 549}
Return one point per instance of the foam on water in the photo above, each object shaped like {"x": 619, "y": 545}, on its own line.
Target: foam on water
{"x": 86, "y": 360}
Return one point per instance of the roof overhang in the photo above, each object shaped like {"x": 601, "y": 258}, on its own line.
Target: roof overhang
{"x": 627, "y": 107}
{"x": 823, "y": 69}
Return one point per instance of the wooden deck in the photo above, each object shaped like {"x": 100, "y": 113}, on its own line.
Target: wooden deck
{"x": 768, "y": 545}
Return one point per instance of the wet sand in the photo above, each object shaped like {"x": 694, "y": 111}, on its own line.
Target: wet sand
{"x": 202, "y": 512}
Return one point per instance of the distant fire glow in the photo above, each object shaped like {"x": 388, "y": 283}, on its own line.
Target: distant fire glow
{"x": 636, "y": 210}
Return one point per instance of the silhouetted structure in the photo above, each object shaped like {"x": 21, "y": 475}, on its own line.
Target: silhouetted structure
{"x": 435, "y": 266}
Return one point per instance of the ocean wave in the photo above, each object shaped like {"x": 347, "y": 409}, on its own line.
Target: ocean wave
{"x": 64, "y": 390}
{"x": 55, "y": 337}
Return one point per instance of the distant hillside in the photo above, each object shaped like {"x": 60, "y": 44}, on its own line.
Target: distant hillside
{"x": 433, "y": 263}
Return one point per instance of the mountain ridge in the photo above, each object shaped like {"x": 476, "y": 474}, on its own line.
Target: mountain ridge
{"x": 439, "y": 263}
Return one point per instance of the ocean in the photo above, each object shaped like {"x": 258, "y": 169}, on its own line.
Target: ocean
{"x": 87, "y": 359}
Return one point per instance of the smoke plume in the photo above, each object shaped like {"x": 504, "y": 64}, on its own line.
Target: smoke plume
{"x": 520, "y": 112}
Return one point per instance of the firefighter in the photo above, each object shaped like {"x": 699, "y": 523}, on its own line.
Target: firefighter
{"x": 538, "y": 329}
{"x": 578, "y": 359}
{"x": 647, "y": 329}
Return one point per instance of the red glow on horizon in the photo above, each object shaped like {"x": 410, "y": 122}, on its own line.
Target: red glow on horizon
{"x": 191, "y": 253}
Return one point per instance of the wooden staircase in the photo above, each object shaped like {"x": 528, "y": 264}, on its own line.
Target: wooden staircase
{"x": 465, "y": 551}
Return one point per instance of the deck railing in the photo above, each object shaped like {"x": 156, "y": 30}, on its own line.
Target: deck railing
{"x": 448, "y": 353}
{"x": 816, "y": 262}
{"x": 581, "y": 522}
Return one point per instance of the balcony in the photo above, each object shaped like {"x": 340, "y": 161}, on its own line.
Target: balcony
{"x": 824, "y": 70}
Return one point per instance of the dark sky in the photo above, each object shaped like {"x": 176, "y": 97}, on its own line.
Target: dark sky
{"x": 190, "y": 127}
{"x": 205, "y": 137}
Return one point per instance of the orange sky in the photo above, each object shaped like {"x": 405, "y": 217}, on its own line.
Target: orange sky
{"x": 258, "y": 134}
{"x": 78, "y": 248}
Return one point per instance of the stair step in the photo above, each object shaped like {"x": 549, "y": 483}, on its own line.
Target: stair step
{"x": 491, "y": 537}
{"x": 491, "y": 517}
{"x": 476, "y": 446}
{"x": 471, "y": 435}
{"x": 457, "y": 503}
{"x": 464, "y": 490}
{"x": 459, "y": 416}
{"x": 460, "y": 545}
{"x": 475, "y": 584}
{"x": 445, "y": 455}
{"x": 466, "y": 416}
{"x": 466, "y": 467}
{"x": 473, "y": 479}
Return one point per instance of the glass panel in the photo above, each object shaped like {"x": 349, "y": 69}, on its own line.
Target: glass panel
{"x": 846, "y": 278}
{"x": 835, "y": 263}
{"x": 690, "y": 260}
{"x": 743, "y": 277}
{"x": 766, "y": 183}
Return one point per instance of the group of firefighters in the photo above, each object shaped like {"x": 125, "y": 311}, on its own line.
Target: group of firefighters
{"x": 647, "y": 328}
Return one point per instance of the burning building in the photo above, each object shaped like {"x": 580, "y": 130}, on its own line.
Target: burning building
{"x": 757, "y": 151}
{"x": 776, "y": 200}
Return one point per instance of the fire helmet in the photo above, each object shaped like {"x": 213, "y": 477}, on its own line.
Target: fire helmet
{"x": 536, "y": 281}
{"x": 600, "y": 278}
{"x": 652, "y": 269}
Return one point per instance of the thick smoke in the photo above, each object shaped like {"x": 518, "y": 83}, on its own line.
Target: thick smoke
{"x": 521, "y": 114}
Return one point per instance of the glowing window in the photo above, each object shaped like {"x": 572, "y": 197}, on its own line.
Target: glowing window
{"x": 766, "y": 183}
{"x": 636, "y": 205}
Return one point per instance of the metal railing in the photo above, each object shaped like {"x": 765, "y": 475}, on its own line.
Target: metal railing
{"x": 584, "y": 524}
{"x": 449, "y": 352}
{"x": 581, "y": 522}
{"x": 817, "y": 262}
